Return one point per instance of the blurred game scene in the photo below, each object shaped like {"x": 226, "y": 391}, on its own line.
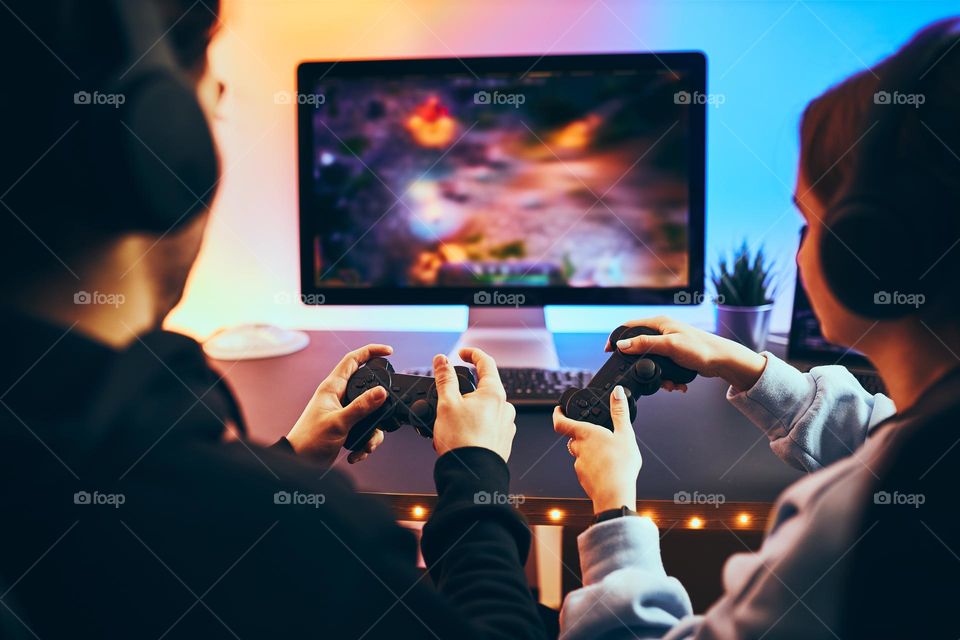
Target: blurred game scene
{"x": 572, "y": 179}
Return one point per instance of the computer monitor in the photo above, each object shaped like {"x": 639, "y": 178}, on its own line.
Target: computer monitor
{"x": 503, "y": 183}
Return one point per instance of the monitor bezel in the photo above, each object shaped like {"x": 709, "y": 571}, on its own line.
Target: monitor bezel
{"x": 693, "y": 63}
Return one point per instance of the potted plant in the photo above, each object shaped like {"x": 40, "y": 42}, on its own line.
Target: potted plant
{"x": 745, "y": 289}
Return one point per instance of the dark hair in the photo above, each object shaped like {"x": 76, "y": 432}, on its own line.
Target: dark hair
{"x": 929, "y": 137}
{"x": 64, "y": 46}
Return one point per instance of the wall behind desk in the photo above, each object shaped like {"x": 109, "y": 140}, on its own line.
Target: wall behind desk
{"x": 767, "y": 59}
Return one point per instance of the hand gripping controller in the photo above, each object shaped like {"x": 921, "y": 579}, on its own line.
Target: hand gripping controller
{"x": 411, "y": 400}
{"x": 640, "y": 375}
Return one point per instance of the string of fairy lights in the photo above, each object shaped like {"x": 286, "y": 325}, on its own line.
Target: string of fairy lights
{"x": 743, "y": 519}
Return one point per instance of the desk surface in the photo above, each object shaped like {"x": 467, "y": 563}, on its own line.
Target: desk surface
{"x": 693, "y": 442}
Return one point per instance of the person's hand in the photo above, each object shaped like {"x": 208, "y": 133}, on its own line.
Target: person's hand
{"x": 608, "y": 462}
{"x": 482, "y": 418}
{"x": 322, "y": 429}
{"x": 709, "y": 355}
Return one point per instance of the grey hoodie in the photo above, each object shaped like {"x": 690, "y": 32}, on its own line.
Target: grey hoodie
{"x": 790, "y": 588}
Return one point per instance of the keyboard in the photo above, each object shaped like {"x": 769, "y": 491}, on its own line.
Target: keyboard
{"x": 532, "y": 388}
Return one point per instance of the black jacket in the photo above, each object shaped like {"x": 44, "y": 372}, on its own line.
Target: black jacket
{"x": 127, "y": 513}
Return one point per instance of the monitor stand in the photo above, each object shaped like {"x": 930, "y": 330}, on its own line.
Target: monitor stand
{"x": 515, "y": 337}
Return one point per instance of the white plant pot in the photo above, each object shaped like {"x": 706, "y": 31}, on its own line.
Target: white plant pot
{"x": 749, "y": 326}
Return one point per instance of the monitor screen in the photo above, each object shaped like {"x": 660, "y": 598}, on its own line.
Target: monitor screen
{"x": 574, "y": 179}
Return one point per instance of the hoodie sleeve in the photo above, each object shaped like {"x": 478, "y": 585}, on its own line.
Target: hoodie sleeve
{"x": 626, "y": 593}
{"x": 812, "y": 419}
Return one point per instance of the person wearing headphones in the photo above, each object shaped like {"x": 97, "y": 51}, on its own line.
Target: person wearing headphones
{"x": 867, "y": 545}
{"x": 133, "y": 506}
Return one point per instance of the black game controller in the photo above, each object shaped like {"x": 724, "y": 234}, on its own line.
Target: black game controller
{"x": 411, "y": 400}
{"x": 640, "y": 375}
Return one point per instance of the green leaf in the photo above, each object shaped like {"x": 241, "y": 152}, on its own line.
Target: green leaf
{"x": 745, "y": 278}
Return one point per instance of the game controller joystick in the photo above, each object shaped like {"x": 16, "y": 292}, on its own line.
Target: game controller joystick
{"x": 411, "y": 400}
{"x": 639, "y": 375}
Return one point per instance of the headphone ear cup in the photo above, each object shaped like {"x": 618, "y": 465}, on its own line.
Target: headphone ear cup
{"x": 867, "y": 259}
{"x": 167, "y": 153}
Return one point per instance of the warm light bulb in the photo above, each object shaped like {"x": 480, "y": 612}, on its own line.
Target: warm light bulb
{"x": 695, "y": 523}
{"x": 555, "y": 514}
{"x": 419, "y": 512}
{"x": 743, "y": 518}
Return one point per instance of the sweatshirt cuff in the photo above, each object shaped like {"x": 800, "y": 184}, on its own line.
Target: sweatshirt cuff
{"x": 780, "y": 393}
{"x": 630, "y": 541}
{"x": 472, "y": 473}
{"x": 473, "y": 485}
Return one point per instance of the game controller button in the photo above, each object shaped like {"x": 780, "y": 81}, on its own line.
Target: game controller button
{"x": 622, "y": 367}
{"x": 645, "y": 369}
{"x": 607, "y": 386}
{"x": 423, "y": 412}
{"x": 395, "y": 388}
{"x": 584, "y": 413}
{"x": 582, "y": 403}
{"x": 595, "y": 411}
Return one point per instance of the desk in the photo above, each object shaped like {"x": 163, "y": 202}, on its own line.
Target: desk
{"x": 694, "y": 444}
